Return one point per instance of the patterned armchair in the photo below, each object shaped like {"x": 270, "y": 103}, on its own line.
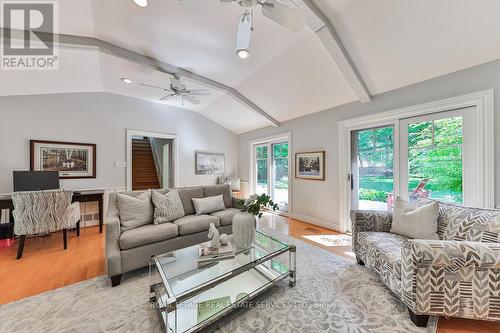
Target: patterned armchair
{"x": 456, "y": 276}
{"x": 43, "y": 212}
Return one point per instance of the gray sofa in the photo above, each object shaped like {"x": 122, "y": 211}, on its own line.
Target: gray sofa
{"x": 455, "y": 276}
{"x": 131, "y": 249}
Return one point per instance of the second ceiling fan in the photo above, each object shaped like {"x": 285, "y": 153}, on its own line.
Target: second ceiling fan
{"x": 275, "y": 10}
{"x": 177, "y": 88}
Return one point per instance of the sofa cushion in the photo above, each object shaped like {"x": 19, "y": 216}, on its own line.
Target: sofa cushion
{"x": 225, "y": 190}
{"x": 168, "y": 206}
{"x": 191, "y": 224}
{"x": 187, "y": 194}
{"x": 382, "y": 252}
{"x": 147, "y": 234}
{"x": 226, "y": 215}
{"x": 208, "y": 205}
{"x": 135, "y": 211}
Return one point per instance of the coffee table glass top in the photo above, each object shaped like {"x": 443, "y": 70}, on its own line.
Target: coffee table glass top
{"x": 184, "y": 273}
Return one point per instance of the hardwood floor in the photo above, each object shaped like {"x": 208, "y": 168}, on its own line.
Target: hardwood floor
{"x": 46, "y": 266}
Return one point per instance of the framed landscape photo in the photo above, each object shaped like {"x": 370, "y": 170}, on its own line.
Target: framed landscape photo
{"x": 71, "y": 159}
{"x": 209, "y": 163}
{"x": 310, "y": 165}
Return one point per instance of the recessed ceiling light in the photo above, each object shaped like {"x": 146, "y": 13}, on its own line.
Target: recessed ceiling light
{"x": 141, "y": 3}
{"x": 128, "y": 81}
{"x": 243, "y": 53}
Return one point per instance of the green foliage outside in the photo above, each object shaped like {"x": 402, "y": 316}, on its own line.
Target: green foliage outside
{"x": 371, "y": 194}
{"x": 280, "y": 152}
{"x": 435, "y": 152}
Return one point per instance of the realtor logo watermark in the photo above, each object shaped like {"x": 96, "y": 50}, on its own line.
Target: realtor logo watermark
{"x": 29, "y": 33}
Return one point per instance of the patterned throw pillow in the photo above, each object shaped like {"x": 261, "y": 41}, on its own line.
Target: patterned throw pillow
{"x": 168, "y": 206}
{"x": 209, "y": 204}
{"x": 135, "y": 211}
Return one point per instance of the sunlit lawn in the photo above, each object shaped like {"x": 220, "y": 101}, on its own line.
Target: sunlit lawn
{"x": 386, "y": 184}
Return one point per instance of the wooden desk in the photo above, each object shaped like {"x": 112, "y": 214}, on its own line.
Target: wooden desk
{"x": 7, "y": 229}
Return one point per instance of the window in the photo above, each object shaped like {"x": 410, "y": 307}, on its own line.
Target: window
{"x": 435, "y": 153}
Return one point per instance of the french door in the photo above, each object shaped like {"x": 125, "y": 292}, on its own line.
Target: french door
{"x": 430, "y": 156}
{"x": 271, "y": 171}
{"x": 372, "y": 175}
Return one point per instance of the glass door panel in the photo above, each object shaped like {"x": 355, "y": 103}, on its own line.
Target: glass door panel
{"x": 433, "y": 162}
{"x": 280, "y": 175}
{"x": 372, "y": 176}
{"x": 262, "y": 171}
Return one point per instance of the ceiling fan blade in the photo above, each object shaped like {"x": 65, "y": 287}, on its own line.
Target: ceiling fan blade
{"x": 164, "y": 98}
{"x": 198, "y": 92}
{"x": 288, "y": 17}
{"x": 191, "y": 99}
{"x": 152, "y": 86}
{"x": 244, "y": 31}
{"x": 176, "y": 83}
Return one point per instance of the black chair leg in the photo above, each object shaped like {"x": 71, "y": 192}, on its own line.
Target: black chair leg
{"x": 65, "y": 238}
{"x": 78, "y": 229}
{"x": 418, "y": 320}
{"x": 115, "y": 280}
{"x": 20, "y": 246}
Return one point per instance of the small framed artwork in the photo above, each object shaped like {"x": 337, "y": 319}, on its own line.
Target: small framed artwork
{"x": 71, "y": 159}
{"x": 310, "y": 165}
{"x": 209, "y": 163}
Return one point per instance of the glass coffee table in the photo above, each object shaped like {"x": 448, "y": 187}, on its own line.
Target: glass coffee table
{"x": 189, "y": 297}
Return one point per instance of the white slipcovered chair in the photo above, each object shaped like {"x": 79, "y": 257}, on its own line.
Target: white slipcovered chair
{"x": 43, "y": 212}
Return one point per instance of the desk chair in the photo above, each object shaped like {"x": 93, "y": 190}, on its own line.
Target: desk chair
{"x": 43, "y": 212}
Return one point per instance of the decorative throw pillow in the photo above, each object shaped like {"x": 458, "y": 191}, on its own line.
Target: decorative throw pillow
{"x": 168, "y": 206}
{"x": 415, "y": 222}
{"x": 135, "y": 211}
{"x": 209, "y": 204}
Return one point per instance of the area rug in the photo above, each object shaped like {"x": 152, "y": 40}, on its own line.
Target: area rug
{"x": 330, "y": 240}
{"x": 332, "y": 294}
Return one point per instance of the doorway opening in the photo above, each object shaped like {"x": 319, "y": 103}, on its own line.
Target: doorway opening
{"x": 150, "y": 160}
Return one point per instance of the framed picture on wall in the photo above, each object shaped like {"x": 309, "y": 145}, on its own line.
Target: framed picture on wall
{"x": 209, "y": 163}
{"x": 310, "y": 165}
{"x": 71, "y": 159}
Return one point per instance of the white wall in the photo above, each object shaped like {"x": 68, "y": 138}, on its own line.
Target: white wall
{"x": 103, "y": 119}
{"x": 317, "y": 201}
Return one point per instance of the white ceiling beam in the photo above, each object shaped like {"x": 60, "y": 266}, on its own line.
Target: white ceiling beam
{"x": 326, "y": 32}
{"x": 62, "y": 40}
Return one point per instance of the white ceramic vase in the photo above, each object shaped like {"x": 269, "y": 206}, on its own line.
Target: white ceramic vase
{"x": 243, "y": 230}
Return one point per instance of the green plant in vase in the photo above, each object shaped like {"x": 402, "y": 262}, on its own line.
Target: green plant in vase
{"x": 255, "y": 203}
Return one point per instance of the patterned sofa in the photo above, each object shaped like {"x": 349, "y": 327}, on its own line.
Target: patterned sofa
{"x": 456, "y": 276}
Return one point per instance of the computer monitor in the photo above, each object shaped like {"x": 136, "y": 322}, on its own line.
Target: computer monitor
{"x": 35, "y": 180}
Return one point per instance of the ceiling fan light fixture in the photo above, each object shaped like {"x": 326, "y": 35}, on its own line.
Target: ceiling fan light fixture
{"x": 126, "y": 80}
{"x": 243, "y": 53}
{"x": 141, "y": 3}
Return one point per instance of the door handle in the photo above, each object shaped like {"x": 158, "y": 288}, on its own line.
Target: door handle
{"x": 351, "y": 179}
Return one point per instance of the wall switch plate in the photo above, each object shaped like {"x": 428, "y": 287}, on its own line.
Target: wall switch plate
{"x": 120, "y": 164}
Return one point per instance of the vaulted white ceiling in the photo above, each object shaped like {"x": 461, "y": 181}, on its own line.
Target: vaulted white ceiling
{"x": 392, "y": 43}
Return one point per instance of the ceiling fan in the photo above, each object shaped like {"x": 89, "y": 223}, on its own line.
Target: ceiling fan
{"x": 275, "y": 10}
{"x": 177, "y": 88}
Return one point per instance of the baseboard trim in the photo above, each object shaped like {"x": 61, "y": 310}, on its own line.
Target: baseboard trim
{"x": 319, "y": 222}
